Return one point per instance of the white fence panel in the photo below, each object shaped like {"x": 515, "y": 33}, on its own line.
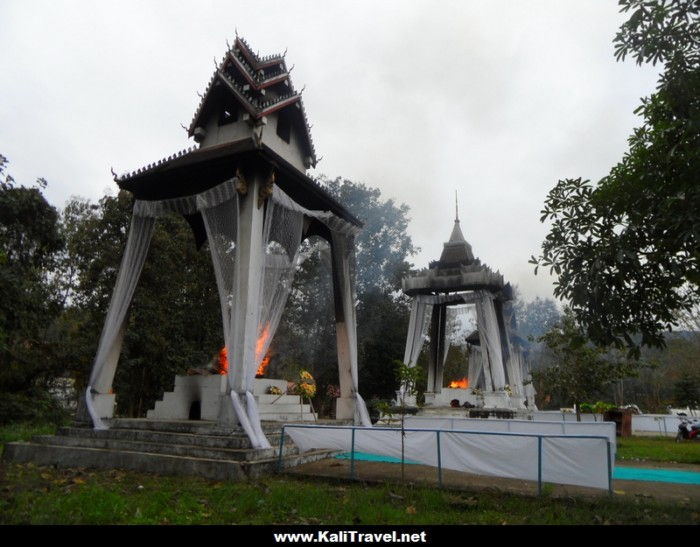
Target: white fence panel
{"x": 577, "y": 460}
{"x": 599, "y": 429}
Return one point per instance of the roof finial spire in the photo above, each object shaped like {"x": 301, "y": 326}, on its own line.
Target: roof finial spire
{"x": 456, "y": 208}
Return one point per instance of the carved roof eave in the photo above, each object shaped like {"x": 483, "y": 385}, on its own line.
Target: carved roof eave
{"x": 253, "y": 58}
{"x": 152, "y": 166}
{"x": 252, "y": 78}
{"x": 195, "y": 154}
{"x": 430, "y": 281}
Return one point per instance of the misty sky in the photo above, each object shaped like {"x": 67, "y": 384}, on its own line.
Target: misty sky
{"x": 497, "y": 100}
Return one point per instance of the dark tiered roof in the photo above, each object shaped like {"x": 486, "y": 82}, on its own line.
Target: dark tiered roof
{"x": 457, "y": 270}
{"x": 261, "y": 85}
{"x": 456, "y": 252}
{"x": 197, "y": 169}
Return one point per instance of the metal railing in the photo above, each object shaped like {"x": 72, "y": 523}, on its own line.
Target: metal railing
{"x": 438, "y": 432}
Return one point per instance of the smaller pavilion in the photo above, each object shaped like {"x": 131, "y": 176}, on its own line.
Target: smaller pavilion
{"x": 497, "y": 370}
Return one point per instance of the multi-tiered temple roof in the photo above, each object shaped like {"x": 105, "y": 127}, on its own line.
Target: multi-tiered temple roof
{"x": 250, "y": 115}
{"x": 260, "y": 86}
{"x": 457, "y": 270}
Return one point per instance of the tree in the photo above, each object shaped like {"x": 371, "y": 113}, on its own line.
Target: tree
{"x": 579, "y": 370}
{"x": 627, "y": 250}
{"x": 30, "y": 242}
{"x": 175, "y": 319}
{"x": 382, "y": 251}
{"x": 535, "y": 317}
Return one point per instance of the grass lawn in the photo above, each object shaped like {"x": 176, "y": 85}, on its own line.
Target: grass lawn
{"x": 23, "y": 432}
{"x": 658, "y": 449}
{"x": 31, "y": 494}
{"x": 43, "y": 495}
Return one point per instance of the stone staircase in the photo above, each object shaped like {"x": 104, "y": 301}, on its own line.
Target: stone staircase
{"x": 199, "y": 448}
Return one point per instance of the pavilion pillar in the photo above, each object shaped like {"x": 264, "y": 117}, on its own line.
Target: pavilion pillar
{"x": 247, "y": 293}
{"x": 512, "y": 364}
{"x": 436, "y": 349}
{"x": 345, "y": 328}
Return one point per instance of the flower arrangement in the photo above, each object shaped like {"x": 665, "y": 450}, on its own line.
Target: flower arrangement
{"x": 306, "y": 386}
{"x": 508, "y": 390}
{"x": 274, "y": 390}
{"x": 333, "y": 391}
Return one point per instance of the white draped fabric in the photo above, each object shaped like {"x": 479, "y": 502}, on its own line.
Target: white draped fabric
{"x": 418, "y": 324}
{"x": 344, "y": 261}
{"x": 342, "y": 236}
{"x": 475, "y": 366}
{"x": 219, "y": 207}
{"x": 492, "y": 356}
{"x": 109, "y": 345}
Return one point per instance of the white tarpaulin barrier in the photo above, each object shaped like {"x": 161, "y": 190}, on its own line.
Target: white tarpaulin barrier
{"x": 556, "y": 415}
{"x": 662, "y": 424}
{"x": 576, "y": 460}
{"x": 598, "y": 429}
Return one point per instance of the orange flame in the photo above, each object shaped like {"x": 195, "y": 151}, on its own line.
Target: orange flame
{"x": 223, "y": 361}
{"x": 460, "y": 384}
{"x": 259, "y": 346}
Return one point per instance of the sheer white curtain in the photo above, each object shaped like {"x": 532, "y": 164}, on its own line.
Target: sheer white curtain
{"x": 109, "y": 346}
{"x": 219, "y": 207}
{"x": 282, "y": 233}
{"x": 417, "y": 329}
{"x": 140, "y": 233}
{"x": 344, "y": 261}
{"x": 492, "y": 356}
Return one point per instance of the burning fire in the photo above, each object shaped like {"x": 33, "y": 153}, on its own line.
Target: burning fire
{"x": 223, "y": 361}
{"x": 460, "y": 384}
{"x": 259, "y": 347}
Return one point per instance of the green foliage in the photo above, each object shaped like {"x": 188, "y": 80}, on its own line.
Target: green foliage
{"x": 175, "y": 318}
{"x": 627, "y": 250}
{"x": 536, "y": 317}
{"x": 30, "y": 243}
{"x": 686, "y": 391}
{"x": 409, "y": 377}
{"x": 579, "y": 370}
{"x": 383, "y": 248}
{"x": 599, "y": 407}
{"x": 32, "y": 406}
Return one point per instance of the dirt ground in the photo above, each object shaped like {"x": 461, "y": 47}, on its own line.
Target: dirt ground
{"x": 423, "y": 475}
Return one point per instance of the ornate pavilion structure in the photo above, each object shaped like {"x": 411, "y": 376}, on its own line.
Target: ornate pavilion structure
{"x": 497, "y": 370}
{"x": 244, "y": 189}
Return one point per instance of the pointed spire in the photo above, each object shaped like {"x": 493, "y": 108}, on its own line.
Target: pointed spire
{"x": 456, "y": 208}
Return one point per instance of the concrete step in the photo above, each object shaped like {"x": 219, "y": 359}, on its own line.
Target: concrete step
{"x": 185, "y": 426}
{"x": 286, "y": 417}
{"x": 285, "y": 409}
{"x": 277, "y": 400}
{"x": 234, "y": 441}
{"x": 146, "y": 462}
{"x": 232, "y": 454}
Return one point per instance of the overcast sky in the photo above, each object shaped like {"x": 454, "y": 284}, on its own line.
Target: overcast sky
{"x": 497, "y": 100}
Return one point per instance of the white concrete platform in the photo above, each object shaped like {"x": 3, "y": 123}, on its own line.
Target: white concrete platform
{"x": 209, "y": 392}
